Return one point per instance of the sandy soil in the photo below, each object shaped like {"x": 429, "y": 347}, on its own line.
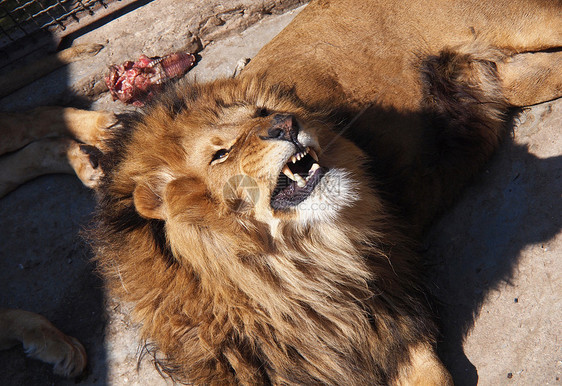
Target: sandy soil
{"x": 495, "y": 259}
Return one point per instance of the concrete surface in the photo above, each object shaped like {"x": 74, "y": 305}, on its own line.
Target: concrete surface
{"x": 494, "y": 260}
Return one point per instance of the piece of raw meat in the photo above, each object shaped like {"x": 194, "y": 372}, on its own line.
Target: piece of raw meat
{"x": 137, "y": 82}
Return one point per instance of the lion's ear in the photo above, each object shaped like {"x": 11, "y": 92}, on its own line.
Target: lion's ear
{"x": 148, "y": 201}
{"x": 185, "y": 198}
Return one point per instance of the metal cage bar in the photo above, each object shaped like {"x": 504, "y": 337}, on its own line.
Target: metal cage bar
{"x": 23, "y": 18}
{"x": 37, "y": 26}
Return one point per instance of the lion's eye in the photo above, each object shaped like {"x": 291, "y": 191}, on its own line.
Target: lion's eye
{"x": 220, "y": 156}
{"x": 262, "y": 112}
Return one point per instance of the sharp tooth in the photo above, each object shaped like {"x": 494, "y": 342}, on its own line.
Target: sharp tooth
{"x": 313, "y": 168}
{"x": 299, "y": 156}
{"x": 288, "y": 173}
{"x": 313, "y": 154}
{"x": 293, "y": 159}
{"x": 300, "y": 181}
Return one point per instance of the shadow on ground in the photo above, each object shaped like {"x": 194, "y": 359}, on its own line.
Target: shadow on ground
{"x": 46, "y": 268}
{"x": 475, "y": 249}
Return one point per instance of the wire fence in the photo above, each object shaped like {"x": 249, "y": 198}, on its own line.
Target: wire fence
{"x": 23, "y": 18}
{"x": 27, "y": 26}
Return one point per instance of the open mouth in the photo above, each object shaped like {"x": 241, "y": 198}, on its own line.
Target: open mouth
{"x": 298, "y": 178}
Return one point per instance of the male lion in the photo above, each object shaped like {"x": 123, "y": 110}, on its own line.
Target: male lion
{"x": 260, "y": 245}
{"x": 246, "y": 228}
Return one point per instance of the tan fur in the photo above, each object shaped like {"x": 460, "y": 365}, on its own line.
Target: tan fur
{"x": 270, "y": 298}
{"x": 365, "y": 57}
{"x": 424, "y": 369}
{"x": 231, "y": 290}
{"x": 41, "y": 340}
{"x": 48, "y": 140}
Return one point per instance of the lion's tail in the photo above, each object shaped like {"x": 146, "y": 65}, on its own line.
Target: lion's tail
{"x": 464, "y": 96}
{"x": 467, "y": 111}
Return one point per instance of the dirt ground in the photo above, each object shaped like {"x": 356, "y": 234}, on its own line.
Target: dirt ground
{"x": 494, "y": 260}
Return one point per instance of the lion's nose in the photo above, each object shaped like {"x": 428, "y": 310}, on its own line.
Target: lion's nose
{"x": 284, "y": 127}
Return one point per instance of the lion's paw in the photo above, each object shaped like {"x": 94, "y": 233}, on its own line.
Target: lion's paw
{"x": 85, "y": 160}
{"x": 43, "y": 341}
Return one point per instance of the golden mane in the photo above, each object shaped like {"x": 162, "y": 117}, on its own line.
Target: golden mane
{"x": 226, "y": 301}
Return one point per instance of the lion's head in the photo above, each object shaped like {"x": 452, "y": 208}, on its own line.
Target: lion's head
{"x": 239, "y": 148}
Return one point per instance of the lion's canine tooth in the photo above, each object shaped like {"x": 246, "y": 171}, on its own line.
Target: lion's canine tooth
{"x": 313, "y": 154}
{"x": 313, "y": 168}
{"x": 288, "y": 173}
{"x": 300, "y": 181}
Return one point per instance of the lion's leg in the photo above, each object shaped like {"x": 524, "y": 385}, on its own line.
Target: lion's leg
{"x": 515, "y": 26}
{"x": 90, "y": 127}
{"x": 41, "y": 340}
{"x": 531, "y": 78}
{"x": 20, "y": 129}
{"x": 532, "y": 32}
{"x": 48, "y": 156}
{"x": 530, "y": 28}
{"x": 424, "y": 369}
